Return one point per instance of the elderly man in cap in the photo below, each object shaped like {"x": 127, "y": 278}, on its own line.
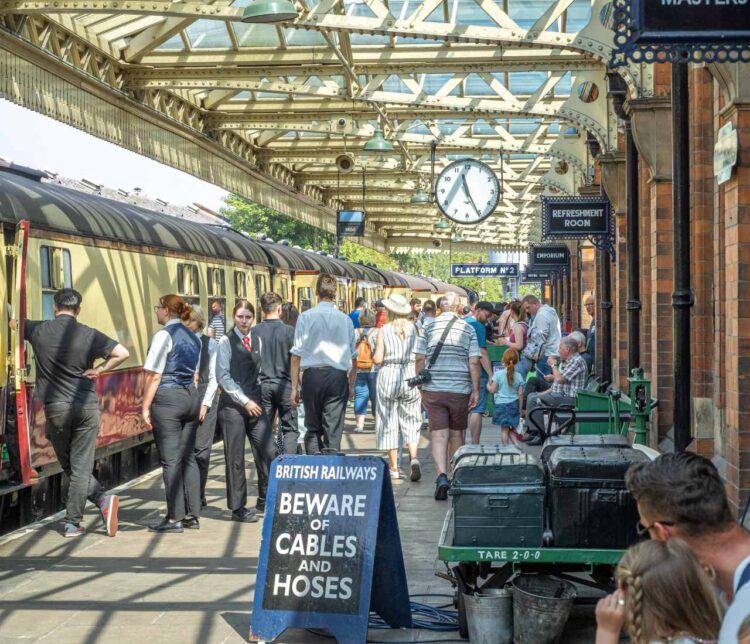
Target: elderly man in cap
{"x": 478, "y": 318}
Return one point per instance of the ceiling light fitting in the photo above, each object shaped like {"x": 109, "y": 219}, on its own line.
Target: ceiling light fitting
{"x": 269, "y": 11}
{"x": 378, "y": 143}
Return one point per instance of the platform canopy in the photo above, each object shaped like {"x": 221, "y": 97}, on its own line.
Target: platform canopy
{"x": 519, "y": 84}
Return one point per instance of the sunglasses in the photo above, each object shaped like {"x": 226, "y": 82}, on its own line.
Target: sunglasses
{"x": 642, "y": 530}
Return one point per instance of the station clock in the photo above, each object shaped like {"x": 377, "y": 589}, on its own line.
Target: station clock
{"x": 467, "y": 191}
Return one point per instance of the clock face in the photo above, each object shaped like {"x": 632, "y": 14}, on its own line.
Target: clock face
{"x": 467, "y": 191}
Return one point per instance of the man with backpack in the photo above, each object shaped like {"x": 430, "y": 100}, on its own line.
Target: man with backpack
{"x": 364, "y": 385}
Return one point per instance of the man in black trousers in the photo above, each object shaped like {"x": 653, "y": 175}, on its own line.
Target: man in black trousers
{"x": 325, "y": 350}
{"x": 276, "y": 340}
{"x": 65, "y": 351}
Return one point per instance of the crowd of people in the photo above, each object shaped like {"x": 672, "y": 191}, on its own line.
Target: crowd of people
{"x": 284, "y": 383}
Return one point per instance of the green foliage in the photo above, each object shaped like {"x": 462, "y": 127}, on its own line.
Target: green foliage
{"x": 354, "y": 252}
{"x": 256, "y": 219}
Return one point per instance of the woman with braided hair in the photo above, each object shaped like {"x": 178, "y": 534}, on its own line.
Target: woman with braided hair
{"x": 664, "y": 595}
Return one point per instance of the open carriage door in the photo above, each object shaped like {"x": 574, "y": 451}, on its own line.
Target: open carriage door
{"x": 18, "y": 369}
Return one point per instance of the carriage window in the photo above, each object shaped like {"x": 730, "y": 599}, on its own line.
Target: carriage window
{"x": 305, "y": 299}
{"x": 284, "y": 289}
{"x": 188, "y": 283}
{"x": 56, "y": 273}
{"x": 342, "y": 297}
{"x": 215, "y": 280}
{"x": 261, "y": 287}
{"x": 240, "y": 285}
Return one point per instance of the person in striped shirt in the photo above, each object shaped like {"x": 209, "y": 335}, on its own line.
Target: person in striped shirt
{"x": 454, "y": 386}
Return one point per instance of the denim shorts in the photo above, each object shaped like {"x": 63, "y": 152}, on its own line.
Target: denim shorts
{"x": 506, "y": 414}
{"x": 482, "y": 402}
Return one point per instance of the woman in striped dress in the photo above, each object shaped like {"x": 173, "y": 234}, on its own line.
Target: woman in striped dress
{"x": 399, "y": 410}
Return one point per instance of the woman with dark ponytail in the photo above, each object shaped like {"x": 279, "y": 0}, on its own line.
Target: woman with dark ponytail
{"x": 241, "y": 413}
{"x": 170, "y": 407}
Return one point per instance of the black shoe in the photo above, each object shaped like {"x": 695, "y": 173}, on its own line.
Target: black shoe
{"x": 204, "y": 503}
{"x": 533, "y": 440}
{"x": 167, "y": 526}
{"x": 245, "y": 515}
{"x": 441, "y": 487}
{"x": 260, "y": 508}
{"x": 191, "y": 523}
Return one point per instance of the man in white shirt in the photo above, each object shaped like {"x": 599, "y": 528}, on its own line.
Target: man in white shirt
{"x": 682, "y": 496}
{"x": 324, "y": 348}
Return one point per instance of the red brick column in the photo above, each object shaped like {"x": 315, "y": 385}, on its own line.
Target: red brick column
{"x": 737, "y": 311}
{"x": 660, "y": 315}
{"x": 645, "y": 268}
{"x": 702, "y": 259}
{"x": 619, "y": 300}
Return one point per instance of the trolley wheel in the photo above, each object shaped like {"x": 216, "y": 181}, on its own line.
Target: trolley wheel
{"x": 463, "y": 625}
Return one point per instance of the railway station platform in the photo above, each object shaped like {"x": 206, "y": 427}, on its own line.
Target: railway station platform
{"x": 196, "y": 586}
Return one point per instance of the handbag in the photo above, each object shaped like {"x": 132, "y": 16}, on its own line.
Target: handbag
{"x": 424, "y": 377}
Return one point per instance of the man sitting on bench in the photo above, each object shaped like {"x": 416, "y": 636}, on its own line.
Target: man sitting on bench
{"x": 565, "y": 384}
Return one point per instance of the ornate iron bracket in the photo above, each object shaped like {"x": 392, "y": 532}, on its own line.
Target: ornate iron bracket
{"x": 605, "y": 244}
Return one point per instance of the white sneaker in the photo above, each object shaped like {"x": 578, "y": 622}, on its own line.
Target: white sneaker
{"x": 358, "y": 429}
{"x": 416, "y": 470}
{"x": 395, "y": 474}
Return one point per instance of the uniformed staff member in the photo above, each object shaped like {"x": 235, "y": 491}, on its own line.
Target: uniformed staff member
{"x": 277, "y": 339}
{"x": 170, "y": 406}
{"x": 241, "y": 413}
{"x": 65, "y": 351}
{"x": 207, "y": 387}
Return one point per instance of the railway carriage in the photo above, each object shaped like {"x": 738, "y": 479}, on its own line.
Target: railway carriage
{"x": 122, "y": 258}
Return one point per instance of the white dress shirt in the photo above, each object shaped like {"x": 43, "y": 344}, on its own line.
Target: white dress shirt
{"x": 224, "y": 378}
{"x": 213, "y": 384}
{"x": 739, "y": 609}
{"x": 161, "y": 345}
{"x": 324, "y": 337}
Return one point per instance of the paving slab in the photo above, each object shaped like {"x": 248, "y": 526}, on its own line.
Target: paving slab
{"x": 144, "y": 588}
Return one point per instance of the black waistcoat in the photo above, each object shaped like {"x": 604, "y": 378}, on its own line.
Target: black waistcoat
{"x": 244, "y": 367}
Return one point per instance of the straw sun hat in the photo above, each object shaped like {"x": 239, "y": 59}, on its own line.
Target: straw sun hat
{"x": 397, "y": 304}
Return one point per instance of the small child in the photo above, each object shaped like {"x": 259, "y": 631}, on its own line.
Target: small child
{"x": 664, "y": 595}
{"x": 507, "y": 386}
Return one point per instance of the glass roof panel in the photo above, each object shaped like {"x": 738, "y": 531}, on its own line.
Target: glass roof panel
{"x": 476, "y": 86}
{"x": 174, "y": 43}
{"x": 526, "y": 12}
{"x": 470, "y": 13}
{"x": 255, "y": 35}
{"x": 579, "y": 15}
{"x": 208, "y": 34}
{"x": 526, "y": 82}
{"x": 300, "y": 37}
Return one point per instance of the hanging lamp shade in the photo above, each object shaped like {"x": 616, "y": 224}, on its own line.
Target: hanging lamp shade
{"x": 457, "y": 238}
{"x": 378, "y": 143}
{"x": 420, "y": 197}
{"x": 269, "y": 11}
{"x": 442, "y": 224}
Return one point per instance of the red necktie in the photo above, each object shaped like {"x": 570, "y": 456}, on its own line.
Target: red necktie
{"x": 246, "y": 342}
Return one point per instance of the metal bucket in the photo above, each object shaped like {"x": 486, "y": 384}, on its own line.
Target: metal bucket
{"x": 489, "y": 615}
{"x": 541, "y": 606}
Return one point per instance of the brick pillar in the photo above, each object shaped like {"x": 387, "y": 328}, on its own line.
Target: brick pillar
{"x": 719, "y": 297}
{"x": 619, "y": 300}
{"x": 702, "y": 260}
{"x": 737, "y": 354}
{"x": 575, "y": 304}
{"x": 660, "y": 319}
{"x": 588, "y": 255}
{"x": 645, "y": 269}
